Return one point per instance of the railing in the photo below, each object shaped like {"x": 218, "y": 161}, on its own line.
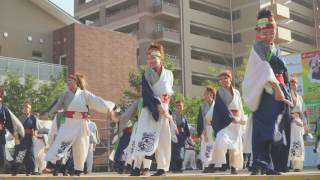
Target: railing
{"x": 38, "y": 70}
{"x": 122, "y": 13}
{"x": 162, "y": 28}
{"x": 172, "y": 3}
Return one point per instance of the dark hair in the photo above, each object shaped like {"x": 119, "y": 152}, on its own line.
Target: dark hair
{"x": 179, "y": 101}
{"x": 212, "y": 90}
{"x": 264, "y": 13}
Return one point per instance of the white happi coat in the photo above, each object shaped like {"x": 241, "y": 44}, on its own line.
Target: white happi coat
{"x": 296, "y": 141}
{"x": 155, "y": 136}
{"x": 230, "y": 137}
{"x": 206, "y": 148}
{"x": 75, "y": 131}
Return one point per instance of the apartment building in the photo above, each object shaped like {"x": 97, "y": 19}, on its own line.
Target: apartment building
{"x": 202, "y": 37}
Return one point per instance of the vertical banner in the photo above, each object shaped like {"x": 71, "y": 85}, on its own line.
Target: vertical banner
{"x": 311, "y": 76}
{"x": 306, "y": 67}
{"x": 311, "y": 83}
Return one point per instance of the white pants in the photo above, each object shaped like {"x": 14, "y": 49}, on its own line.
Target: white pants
{"x": 296, "y": 153}
{"x": 189, "y": 161}
{"x": 228, "y": 139}
{"x": 141, "y": 160}
{"x": 89, "y": 159}
{"x": 297, "y": 164}
{"x": 39, "y": 155}
{"x": 160, "y": 145}
{"x": 206, "y": 148}
{"x": 72, "y": 133}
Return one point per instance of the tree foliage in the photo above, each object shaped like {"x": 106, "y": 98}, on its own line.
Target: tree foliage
{"x": 41, "y": 95}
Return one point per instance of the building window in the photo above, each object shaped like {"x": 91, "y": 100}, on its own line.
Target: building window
{"x": 301, "y": 19}
{"x": 303, "y": 38}
{"x": 203, "y": 55}
{"x": 305, "y": 3}
{"x": 237, "y": 38}
{"x": 211, "y": 8}
{"x": 200, "y": 79}
{"x": 235, "y": 15}
{"x": 63, "y": 59}
{"x": 37, "y": 55}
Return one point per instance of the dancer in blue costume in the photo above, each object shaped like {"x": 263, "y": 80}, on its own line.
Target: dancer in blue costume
{"x": 265, "y": 90}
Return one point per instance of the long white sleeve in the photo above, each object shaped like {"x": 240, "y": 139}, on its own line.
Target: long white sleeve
{"x": 97, "y": 103}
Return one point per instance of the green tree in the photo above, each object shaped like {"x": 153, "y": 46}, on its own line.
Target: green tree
{"x": 40, "y": 95}
{"x": 191, "y": 106}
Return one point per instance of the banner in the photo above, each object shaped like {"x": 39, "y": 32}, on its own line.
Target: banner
{"x": 311, "y": 76}
{"x": 306, "y": 67}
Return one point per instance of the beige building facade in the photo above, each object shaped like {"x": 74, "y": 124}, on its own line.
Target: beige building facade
{"x": 26, "y": 38}
{"x": 202, "y": 37}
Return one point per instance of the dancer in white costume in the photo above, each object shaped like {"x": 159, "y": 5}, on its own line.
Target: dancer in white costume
{"x": 132, "y": 161}
{"x": 75, "y": 131}
{"x": 298, "y": 127}
{"x": 93, "y": 141}
{"x": 228, "y": 116}
{"x": 205, "y": 130}
{"x": 40, "y": 146}
{"x": 153, "y": 134}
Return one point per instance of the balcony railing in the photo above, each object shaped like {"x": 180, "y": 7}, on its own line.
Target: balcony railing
{"x": 122, "y": 13}
{"x": 167, "y": 34}
{"x": 168, "y": 7}
{"x": 38, "y": 70}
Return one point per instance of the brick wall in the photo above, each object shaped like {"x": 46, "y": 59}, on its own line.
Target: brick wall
{"x": 105, "y": 58}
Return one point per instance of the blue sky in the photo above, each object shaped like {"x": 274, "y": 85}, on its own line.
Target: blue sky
{"x": 67, "y": 5}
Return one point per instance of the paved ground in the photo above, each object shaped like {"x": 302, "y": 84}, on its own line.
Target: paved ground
{"x": 307, "y": 174}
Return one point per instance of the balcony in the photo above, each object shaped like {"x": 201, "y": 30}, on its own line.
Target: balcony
{"x": 165, "y": 8}
{"x": 38, "y": 70}
{"x": 210, "y": 44}
{"x": 121, "y": 14}
{"x": 283, "y": 35}
{"x": 162, "y": 33}
{"x": 84, "y": 5}
{"x": 280, "y": 11}
{"x": 209, "y": 20}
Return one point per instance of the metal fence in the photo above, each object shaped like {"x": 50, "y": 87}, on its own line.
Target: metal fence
{"x": 38, "y": 70}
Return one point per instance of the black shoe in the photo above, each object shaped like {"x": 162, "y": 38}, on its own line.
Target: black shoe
{"x": 318, "y": 166}
{"x": 223, "y": 168}
{"x": 127, "y": 169}
{"x": 206, "y": 170}
{"x": 234, "y": 170}
{"x": 135, "y": 172}
{"x": 77, "y": 173}
{"x": 255, "y": 172}
{"x": 85, "y": 172}
{"x": 27, "y": 174}
{"x": 297, "y": 170}
{"x": 273, "y": 172}
{"x": 212, "y": 169}
{"x": 55, "y": 173}
{"x": 160, "y": 172}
